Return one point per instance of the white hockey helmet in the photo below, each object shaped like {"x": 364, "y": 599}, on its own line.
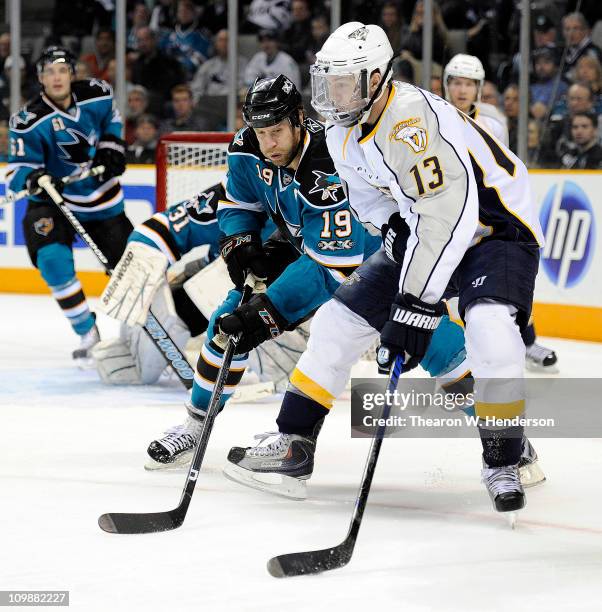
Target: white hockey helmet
{"x": 467, "y": 66}
{"x": 340, "y": 77}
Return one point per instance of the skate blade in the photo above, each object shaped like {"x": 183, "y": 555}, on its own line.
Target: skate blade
{"x": 276, "y": 484}
{"x": 84, "y": 363}
{"x": 244, "y": 394}
{"x": 531, "y": 475}
{"x": 541, "y": 369}
{"x": 181, "y": 461}
{"x": 511, "y": 518}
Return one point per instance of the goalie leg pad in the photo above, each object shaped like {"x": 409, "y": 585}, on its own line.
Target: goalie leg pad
{"x": 132, "y": 287}
{"x": 115, "y": 363}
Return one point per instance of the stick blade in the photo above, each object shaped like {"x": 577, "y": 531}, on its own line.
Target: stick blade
{"x": 310, "y": 562}
{"x": 150, "y": 522}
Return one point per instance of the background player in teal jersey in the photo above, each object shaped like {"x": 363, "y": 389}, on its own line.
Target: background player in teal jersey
{"x": 69, "y": 127}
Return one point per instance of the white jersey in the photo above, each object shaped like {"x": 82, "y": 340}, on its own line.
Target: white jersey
{"x": 489, "y": 117}
{"x": 453, "y": 183}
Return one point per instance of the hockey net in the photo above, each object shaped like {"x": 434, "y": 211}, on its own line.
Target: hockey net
{"x": 189, "y": 162}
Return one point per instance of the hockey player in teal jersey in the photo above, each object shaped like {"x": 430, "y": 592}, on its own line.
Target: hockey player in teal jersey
{"x": 71, "y": 126}
{"x": 278, "y": 169}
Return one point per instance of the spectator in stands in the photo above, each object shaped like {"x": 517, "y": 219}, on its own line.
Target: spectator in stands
{"x": 576, "y": 32}
{"x": 156, "y": 71}
{"x": 211, "y": 79}
{"x": 533, "y": 144}
{"x": 391, "y": 22}
{"x": 142, "y": 150}
{"x": 412, "y": 38}
{"x": 82, "y": 70}
{"x": 320, "y": 30}
{"x": 271, "y": 61}
{"x": 105, "y": 51}
{"x": 137, "y": 104}
{"x": 184, "y": 119}
{"x": 215, "y": 16}
{"x": 589, "y": 70}
{"x": 3, "y": 141}
{"x": 298, "y": 36}
{"x": 582, "y": 150}
{"x": 163, "y": 16}
{"x": 490, "y": 94}
{"x": 548, "y": 87}
{"x": 140, "y": 19}
{"x": 268, "y": 15}
{"x": 544, "y": 33}
{"x": 511, "y": 108}
{"x": 187, "y": 43}
{"x": 4, "y": 112}
{"x": 557, "y": 133}
{"x": 437, "y": 85}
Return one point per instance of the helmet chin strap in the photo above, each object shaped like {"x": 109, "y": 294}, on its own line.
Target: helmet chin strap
{"x": 377, "y": 94}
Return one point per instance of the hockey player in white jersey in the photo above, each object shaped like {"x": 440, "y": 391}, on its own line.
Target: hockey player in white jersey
{"x": 463, "y": 81}
{"x": 410, "y": 159}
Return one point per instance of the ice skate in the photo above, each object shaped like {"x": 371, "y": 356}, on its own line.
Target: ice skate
{"x": 82, "y": 355}
{"x": 280, "y": 463}
{"x": 504, "y": 487}
{"x": 175, "y": 449}
{"x": 528, "y": 467}
{"x": 541, "y": 359}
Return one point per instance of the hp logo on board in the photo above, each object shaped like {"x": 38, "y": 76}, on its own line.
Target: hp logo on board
{"x": 567, "y": 219}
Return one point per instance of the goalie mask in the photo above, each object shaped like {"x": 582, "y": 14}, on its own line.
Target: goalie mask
{"x": 340, "y": 78}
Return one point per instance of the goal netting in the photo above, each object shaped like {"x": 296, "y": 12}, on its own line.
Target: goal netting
{"x": 189, "y": 162}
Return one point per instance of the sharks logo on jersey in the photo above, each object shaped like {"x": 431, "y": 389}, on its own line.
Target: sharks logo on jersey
{"x": 202, "y": 207}
{"x": 77, "y": 150}
{"x": 327, "y": 184}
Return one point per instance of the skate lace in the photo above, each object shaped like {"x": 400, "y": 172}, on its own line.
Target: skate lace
{"x": 538, "y": 352}
{"x": 180, "y": 437}
{"x": 501, "y": 480}
{"x": 273, "y": 448}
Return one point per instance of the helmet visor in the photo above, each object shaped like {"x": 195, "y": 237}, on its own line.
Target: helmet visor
{"x": 339, "y": 97}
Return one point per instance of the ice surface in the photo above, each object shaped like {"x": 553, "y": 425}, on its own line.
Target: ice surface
{"x": 73, "y": 449}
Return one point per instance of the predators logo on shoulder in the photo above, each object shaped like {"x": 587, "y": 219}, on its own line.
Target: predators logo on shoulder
{"x": 408, "y": 132}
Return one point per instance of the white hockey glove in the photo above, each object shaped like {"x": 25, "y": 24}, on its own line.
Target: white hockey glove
{"x": 135, "y": 280}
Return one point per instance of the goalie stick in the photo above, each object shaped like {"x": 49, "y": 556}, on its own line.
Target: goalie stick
{"x": 152, "y": 326}
{"x": 151, "y": 522}
{"x": 317, "y": 561}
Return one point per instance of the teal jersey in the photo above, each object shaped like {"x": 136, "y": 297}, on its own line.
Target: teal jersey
{"x": 64, "y": 142}
{"x": 309, "y": 206}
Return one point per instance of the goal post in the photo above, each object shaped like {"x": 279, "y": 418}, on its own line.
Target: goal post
{"x": 189, "y": 162}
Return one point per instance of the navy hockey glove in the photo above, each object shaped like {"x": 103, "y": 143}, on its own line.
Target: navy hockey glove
{"x": 258, "y": 320}
{"x": 34, "y": 188}
{"x": 110, "y": 153}
{"x": 244, "y": 253}
{"x": 395, "y": 233}
{"x": 408, "y": 331}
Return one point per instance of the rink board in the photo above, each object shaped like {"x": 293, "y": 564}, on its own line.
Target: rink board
{"x": 568, "y": 292}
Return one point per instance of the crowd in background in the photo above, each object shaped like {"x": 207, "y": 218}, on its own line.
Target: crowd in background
{"x": 177, "y": 71}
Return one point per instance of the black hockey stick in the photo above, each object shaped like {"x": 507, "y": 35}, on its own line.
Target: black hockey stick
{"x": 151, "y": 522}
{"x": 316, "y": 561}
{"x": 157, "y": 333}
